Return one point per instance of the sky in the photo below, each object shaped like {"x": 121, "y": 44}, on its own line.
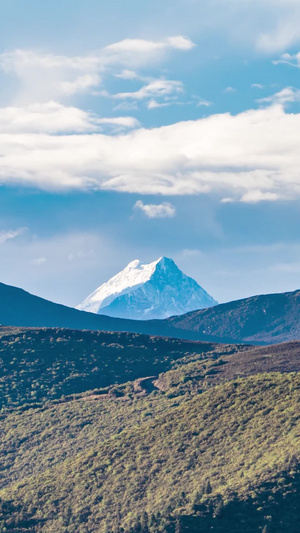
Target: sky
{"x": 140, "y": 129}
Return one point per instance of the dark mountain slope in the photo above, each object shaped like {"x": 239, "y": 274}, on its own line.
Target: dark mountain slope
{"x": 20, "y": 308}
{"x": 266, "y": 319}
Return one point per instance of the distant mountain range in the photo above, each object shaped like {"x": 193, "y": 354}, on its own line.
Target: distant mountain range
{"x": 148, "y": 291}
{"x": 264, "y": 319}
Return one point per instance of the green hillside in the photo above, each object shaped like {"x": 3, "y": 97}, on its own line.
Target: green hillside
{"x": 224, "y": 460}
{"x": 38, "y": 365}
{"x": 111, "y": 433}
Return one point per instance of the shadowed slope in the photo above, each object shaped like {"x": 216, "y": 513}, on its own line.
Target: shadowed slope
{"x": 20, "y": 308}
{"x": 266, "y": 319}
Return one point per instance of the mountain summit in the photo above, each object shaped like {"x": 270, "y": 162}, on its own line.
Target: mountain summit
{"x": 142, "y": 292}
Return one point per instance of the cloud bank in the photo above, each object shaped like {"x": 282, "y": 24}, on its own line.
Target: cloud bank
{"x": 252, "y": 156}
{"x": 54, "y": 118}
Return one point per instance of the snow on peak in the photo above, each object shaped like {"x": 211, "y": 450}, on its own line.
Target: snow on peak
{"x": 133, "y": 264}
{"x": 146, "y": 291}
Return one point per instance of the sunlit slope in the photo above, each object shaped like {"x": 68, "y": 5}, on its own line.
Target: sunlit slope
{"x": 226, "y": 460}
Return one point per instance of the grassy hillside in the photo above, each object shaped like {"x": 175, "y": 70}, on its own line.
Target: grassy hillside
{"x": 45, "y": 364}
{"x": 34, "y": 438}
{"x": 226, "y": 460}
{"x": 42, "y": 365}
{"x": 197, "y": 375}
{"x": 106, "y": 432}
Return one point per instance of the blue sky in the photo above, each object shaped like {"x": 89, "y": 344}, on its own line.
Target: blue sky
{"x": 137, "y": 129}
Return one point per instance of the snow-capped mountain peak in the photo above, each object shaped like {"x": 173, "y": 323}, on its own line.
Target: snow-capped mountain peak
{"x": 147, "y": 291}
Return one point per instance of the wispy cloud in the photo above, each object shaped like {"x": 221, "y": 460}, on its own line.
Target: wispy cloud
{"x": 285, "y": 96}
{"x": 293, "y": 60}
{"x": 155, "y": 88}
{"x": 122, "y": 122}
{"x": 203, "y": 103}
{"x": 127, "y": 74}
{"x": 255, "y": 196}
{"x": 11, "y": 234}
{"x": 153, "y": 104}
{"x": 78, "y": 255}
{"x": 283, "y": 34}
{"x": 43, "y": 77}
{"x": 164, "y": 210}
{"x": 253, "y": 156}
{"x": 142, "y": 46}
{"x": 39, "y": 261}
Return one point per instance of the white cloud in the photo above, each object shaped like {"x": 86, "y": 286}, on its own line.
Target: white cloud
{"x": 141, "y": 46}
{"x": 255, "y": 196}
{"x": 230, "y": 90}
{"x": 285, "y": 96}
{"x": 39, "y": 261}
{"x": 126, "y": 106}
{"x": 257, "y": 86}
{"x": 203, "y": 103}
{"x": 155, "y": 88}
{"x": 172, "y": 100}
{"x": 293, "y": 60}
{"x": 44, "y": 77}
{"x": 164, "y": 210}
{"x": 153, "y": 104}
{"x": 123, "y": 122}
{"x": 82, "y": 84}
{"x": 180, "y": 43}
{"x": 52, "y": 117}
{"x": 11, "y": 234}
{"x": 251, "y": 156}
{"x": 127, "y": 74}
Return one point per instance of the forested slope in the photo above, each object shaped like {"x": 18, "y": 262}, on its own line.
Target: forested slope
{"x": 226, "y": 460}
